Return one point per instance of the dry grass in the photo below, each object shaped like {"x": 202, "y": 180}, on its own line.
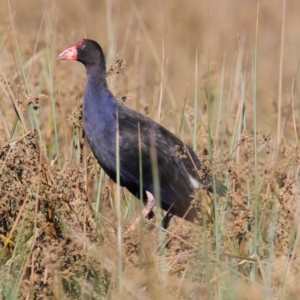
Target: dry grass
{"x": 201, "y": 70}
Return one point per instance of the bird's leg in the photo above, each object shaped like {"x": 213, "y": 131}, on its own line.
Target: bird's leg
{"x": 150, "y": 203}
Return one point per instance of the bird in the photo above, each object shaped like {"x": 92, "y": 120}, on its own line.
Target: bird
{"x": 150, "y": 161}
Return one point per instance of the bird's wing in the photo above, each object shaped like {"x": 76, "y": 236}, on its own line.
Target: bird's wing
{"x": 159, "y": 157}
{"x": 164, "y": 157}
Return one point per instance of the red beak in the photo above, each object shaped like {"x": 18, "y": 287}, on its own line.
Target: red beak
{"x": 71, "y": 52}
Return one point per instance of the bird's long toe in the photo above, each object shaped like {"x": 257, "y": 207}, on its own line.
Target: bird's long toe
{"x": 150, "y": 203}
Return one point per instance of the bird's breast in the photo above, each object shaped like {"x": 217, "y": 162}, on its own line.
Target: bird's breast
{"x": 100, "y": 131}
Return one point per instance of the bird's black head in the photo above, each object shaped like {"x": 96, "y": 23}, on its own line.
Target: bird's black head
{"x": 86, "y": 51}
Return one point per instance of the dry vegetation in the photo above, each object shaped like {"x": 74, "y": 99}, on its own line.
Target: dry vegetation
{"x": 200, "y": 69}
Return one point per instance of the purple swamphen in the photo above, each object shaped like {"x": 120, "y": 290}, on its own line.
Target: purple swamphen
{"x": 151, "y": 158}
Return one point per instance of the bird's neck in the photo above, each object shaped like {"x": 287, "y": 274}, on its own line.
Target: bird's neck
{"x": 96, "y": 76}
{"x": 97, "y": 98}
{"x": 99, "y": 108}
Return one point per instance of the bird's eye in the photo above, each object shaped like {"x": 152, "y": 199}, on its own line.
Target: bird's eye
{"x": 83, "y": 47}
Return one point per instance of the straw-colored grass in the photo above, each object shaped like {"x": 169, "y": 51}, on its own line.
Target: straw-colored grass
{"x": 223, "y": 77}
